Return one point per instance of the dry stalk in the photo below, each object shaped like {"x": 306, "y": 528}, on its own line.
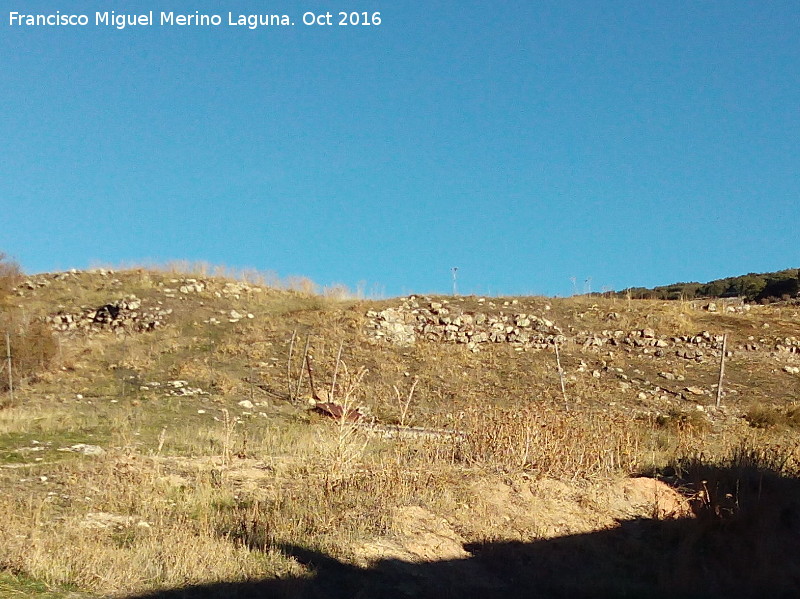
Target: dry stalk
{"x": 347, "y": 450}
{"x": 336, "y": 370}
{"x": 404, "y": 404}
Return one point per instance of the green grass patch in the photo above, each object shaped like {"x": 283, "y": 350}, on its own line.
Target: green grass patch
{"x": 20, "y": 587}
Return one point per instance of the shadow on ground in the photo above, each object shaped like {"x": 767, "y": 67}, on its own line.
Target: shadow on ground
{"x": 744, "y": 542}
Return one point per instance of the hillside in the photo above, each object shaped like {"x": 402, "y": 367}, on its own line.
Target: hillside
{"x": 782, "y": 285}
{"x": 166, "y": 432}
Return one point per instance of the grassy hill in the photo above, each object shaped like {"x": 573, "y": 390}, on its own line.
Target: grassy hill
{"x": 173, "y": 430}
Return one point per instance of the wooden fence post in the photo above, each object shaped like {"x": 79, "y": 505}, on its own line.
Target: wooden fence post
{"x": 561, "y": 374}
{"x": 722, "y": 369}
{"x": 8, "y": 364}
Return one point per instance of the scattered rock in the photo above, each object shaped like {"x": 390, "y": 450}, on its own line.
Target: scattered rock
{"x": 106, "y": 521}
{"x": 90, "y": 450}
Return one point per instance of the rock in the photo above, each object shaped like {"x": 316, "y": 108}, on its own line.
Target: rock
{"x": 647, "y": 498}
{"x": 104, "y": 520}
{"x": 90, "y": 450}
{"x": 695, "y": 390}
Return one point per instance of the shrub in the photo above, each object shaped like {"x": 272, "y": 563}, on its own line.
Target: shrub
{"x": 10, "y": 277}
{"x": 33, "y": 348}
{"x": 769, "y": 417}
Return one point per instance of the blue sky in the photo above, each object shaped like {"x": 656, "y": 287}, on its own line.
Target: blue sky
{"x": 526, "y": 143}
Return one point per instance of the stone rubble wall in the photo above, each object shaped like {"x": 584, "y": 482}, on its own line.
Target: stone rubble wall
{"x": 171, "y": 287}
{"x": 439, "y": 321}
{"x": 127, "y": 314}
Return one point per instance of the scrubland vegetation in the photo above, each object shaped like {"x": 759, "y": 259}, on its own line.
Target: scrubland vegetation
{"x": 144, "y": 457}
{"x": 758, "y": 287}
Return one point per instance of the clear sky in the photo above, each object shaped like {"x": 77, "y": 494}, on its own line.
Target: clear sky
{"x": 524, "y": 142}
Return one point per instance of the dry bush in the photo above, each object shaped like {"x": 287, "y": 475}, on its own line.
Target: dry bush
{"x": 302, "y": 285}
{"x": 331, "y": 510}
{"x": 337, "y": 291}
{"x": 549, "y": 442}
{"x": 741, "y": 482}
{"x": 683, "y": 421}
{"x": 10, "y": 276}
{"x": 769, "y": 416}
{"x": 33, "y": 348}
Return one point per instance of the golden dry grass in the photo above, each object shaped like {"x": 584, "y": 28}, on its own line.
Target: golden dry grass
{"x": 205, "y": 487}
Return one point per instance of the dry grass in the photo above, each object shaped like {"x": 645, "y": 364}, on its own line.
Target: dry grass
{"x": 549, "y": 442}
{"x": 205, "y": 487}
{"x": 761, "y": 416}
{"x": 169, "y": 538}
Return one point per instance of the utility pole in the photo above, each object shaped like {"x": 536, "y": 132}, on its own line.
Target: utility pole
{"x": 454, "y": 270}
